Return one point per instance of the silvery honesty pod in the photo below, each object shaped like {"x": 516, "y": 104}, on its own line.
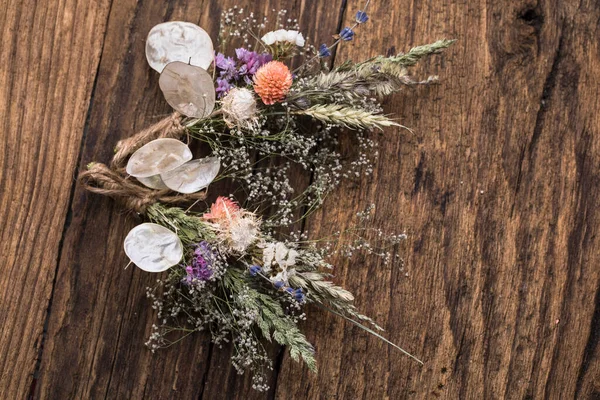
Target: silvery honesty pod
{"x": 178, "y": 41}
{"x": 158, "y": 156}
{"x": 153, "y": 248}
{"x": 192, "y": 176}
{"x": 188, "y": 89}
{"x": 153, "y": 182}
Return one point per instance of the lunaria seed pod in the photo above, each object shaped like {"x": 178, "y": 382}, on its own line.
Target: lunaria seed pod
{"x": 178, "y": 41}
{"x": 192, "y": 176}
{"x": 158, "y": 156}
{"x": 188, "y": 89}
{"x": 153, "y": 248}
{"x": 153, "y": 182}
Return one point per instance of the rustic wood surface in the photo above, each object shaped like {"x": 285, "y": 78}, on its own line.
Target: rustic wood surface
{"x": 497, "y": 188}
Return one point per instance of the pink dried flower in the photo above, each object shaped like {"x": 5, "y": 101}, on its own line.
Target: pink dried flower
{"x": 223, "y": 209}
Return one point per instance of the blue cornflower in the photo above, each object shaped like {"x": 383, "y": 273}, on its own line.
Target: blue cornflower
{"x": 347, "y": 34}
{"x": 255, "y": 269}
{"x": 290, "y": 290}
{"x": 361, "y": 17}
{"x": 278, "y": 284}
{"x": 324, "y": 51}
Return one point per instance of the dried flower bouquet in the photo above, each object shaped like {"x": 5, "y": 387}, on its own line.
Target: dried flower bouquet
{"x": 229, "y": 272}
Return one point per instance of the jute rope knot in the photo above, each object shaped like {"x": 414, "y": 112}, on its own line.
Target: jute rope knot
{"x": 169, "y": 127}
{"x": 114, "y": 182}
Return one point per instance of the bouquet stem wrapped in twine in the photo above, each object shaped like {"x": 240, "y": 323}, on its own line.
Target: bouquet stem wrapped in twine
{"x": 114, "y": 182}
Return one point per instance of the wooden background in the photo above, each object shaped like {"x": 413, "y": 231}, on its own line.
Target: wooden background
{"x": 497, "y": 188}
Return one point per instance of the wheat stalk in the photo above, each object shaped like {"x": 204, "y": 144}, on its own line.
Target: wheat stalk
{"x": 327, "y": 288}
{"x": 347, "y": 116}
{"x": 327, "y": 293}
{"x": 379, "y": 75}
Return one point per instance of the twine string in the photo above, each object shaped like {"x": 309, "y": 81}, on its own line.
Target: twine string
{"x": 169, "y": 127}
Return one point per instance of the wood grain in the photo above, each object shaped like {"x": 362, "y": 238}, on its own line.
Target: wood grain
{"x": 50, "y": 52}
{"x": 496, "y": 188}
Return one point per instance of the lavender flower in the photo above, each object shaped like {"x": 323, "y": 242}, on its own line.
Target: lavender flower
{"x": 347, "y": 34}
{"x": 324, "y": 51}
{"x": 201, "y": 262}
{"x": 299, "y": 295}
{"x": 255, "y": 269}
{"x": 361, "y": 17}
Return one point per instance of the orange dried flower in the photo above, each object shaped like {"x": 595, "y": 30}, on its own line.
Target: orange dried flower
{"x": 272, "y": 82}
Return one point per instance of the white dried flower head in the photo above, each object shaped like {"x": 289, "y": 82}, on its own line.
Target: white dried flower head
{"x": 243, "y": 232}
{"x": 284, "y": 276}
{"x": 283, "y": 35}
{"x": 268, "y": 256}
{"x": 281, "y": 257}
{"x": 239, "y": 108}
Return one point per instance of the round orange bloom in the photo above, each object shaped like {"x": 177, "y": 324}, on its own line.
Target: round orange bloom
{"x": 272, "y": 82}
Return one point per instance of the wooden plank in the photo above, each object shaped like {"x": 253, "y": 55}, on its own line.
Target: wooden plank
{"x": 100, "y": 315}
{"x": 497, "y": 191}
{"x": 50, "y": 52}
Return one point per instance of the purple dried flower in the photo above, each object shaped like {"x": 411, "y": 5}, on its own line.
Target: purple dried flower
{"x": 299, "y": 295}
{"x": 225, "y": 64}
{"x": 223, "y": 87}
{"x": 242, "y": 69}
{"x": 255, "y": 269}
{"x": 200, "y": 270}
{"x": 250, "y": 61}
